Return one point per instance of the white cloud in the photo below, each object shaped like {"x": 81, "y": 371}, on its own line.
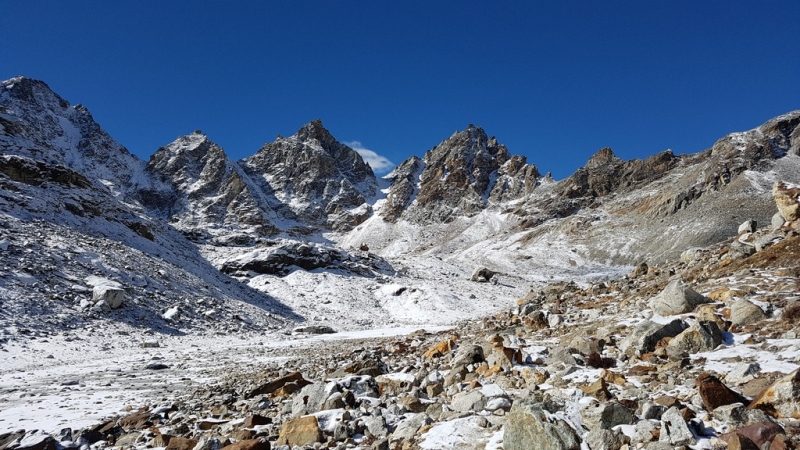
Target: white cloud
{"x": 380, "y": 164}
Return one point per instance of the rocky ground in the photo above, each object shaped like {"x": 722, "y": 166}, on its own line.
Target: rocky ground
{"x": 698, "y": 353}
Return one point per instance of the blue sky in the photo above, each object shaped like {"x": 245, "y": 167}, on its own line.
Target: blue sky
{"x": 554, "y": 81}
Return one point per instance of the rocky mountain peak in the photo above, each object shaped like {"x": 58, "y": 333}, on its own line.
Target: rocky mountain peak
{"x": 314, "y": 130}
{"x": 603, "y": 156}
{"x": 205, "y": 191}
{"x": 31, "y": 91}
{"x": 37, "y": 123}
{"x": 315, "y": 179}
{"x": 460, "y": 177}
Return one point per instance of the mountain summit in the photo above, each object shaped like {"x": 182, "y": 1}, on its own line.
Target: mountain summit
{"x": 461, "y": 176}
{"x": 316, "y": 179}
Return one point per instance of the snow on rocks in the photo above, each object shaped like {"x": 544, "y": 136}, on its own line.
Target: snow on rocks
{"x": 787, "y": 198}
{"x": 105, "y": 292}
{"x": 676, "y": 298}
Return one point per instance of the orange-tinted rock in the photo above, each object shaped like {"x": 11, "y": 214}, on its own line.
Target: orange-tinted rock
{"x": 181, "y": 443}
{"x": 249, "y": 444}
{"x": 441, "y": 348}
{"x": 274, "y": 385}
{"x": 300, "y": 431}
{"x": 782, "y": 398}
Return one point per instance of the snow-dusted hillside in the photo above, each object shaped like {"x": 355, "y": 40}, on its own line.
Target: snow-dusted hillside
{"x": 304, "y": 230}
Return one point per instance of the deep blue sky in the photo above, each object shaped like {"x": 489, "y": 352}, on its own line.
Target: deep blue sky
{"x": 554, "y": 81}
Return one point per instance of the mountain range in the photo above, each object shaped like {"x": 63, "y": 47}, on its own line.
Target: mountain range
{"x": 196, "y": 302}
{"x": 308, "y": 203}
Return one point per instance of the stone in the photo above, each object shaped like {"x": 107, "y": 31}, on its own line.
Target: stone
{"x": 598, "y": 390}
{"x": 156, "y": 365}
{"x": 714, "y": 393}
{"x": 411, "y": 404}
{"x": 406, "y": 429}
{"x": 734, "y": 414}
{"x": 645, "y": 431}
{"x": 586, "y": 345}
{"x": 277, "y": 383}
{"x": 739, "y": 249}
{"x": 691, "y": 255}
{"x": 110, "y": 293}
{"x": 533, "y": 376}
{"x": 311, "y": 398}
{"x": 249, "y": 444}
{"x": 676, "y": 298}
{"x": 560, "y": 354}
{"x": 395, "y": 384}
{"x": 181, "y": 443}
{"x": 782, "y": 398}
{"x": 529, "y": 428}
{"x": 441, "y": 348}
{"x": 314, "y": 329}
{"x": 653, "y": 411}
{"x": 300, "y": 431}
{"x": 602, "y": 439}
{"x": 674, "y": 430}
{"x": 256, "y": 420}
{"x": 469, "y": 401}
{"x": 482, "y": 275}
{"x": 607, "y": 415}
{"x": 644, "y": 337}
{"x": 376, "y": 425}
{"x": 738, "y": 442}
{"x": 748, "y": 226}
{"x": 758, "y": 433}
{"x": 639, "y": 271}
{"x": 504, "y": 357}
{"x": 700, "y": 337}
{"x": 37, "y": 440}
{"x": 744, "y": 312}
{"x": 138, "y": 420}
{"x": 777, "y": 221}
{"x": 787, "y": 198}
{"x": 468, "y": 354}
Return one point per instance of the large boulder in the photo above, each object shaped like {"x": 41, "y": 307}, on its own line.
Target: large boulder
{"x": 529, "y": 427}
{"x": 312, "y": 398}
{"x": 469, "y": 401}
{"x": 106, "y": 292}
{"x": 700, "y": 337}
{"x": 676, "y": 298}
{"x": 787, "y": 198}
{"x": 300, "y": 431}
{"x": 714, "y": 393}
{"x": 782, "y": 398}
{"x": 482, "y": 275}
{"x": 644, "y": 337}
{"x": 674, "y": 430}
{"x": 744, "y": 312}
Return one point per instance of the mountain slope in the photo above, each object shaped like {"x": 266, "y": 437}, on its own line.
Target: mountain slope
{"x": 210, "y": 195}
